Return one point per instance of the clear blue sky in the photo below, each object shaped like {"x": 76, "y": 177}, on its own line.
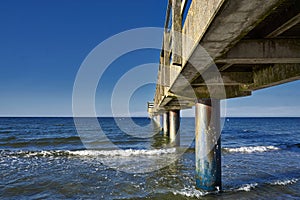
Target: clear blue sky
{"x": 43, "y": 44}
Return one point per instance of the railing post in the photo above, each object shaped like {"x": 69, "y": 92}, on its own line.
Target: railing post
{"x": 176, "y": 32}
{"x": 166, "y": 60}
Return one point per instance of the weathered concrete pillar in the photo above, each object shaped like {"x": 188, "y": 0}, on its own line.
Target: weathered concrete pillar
{"x": 208, "y": 145}
{"x": 174, "y": 116}
{"x": 166, "y": 123}
{"x": 157, "y": 121}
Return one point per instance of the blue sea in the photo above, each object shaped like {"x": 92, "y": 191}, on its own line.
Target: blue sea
{"x": 45, "y": 158}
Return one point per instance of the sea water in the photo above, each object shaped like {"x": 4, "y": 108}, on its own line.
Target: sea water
{"x": 46, "y": 158}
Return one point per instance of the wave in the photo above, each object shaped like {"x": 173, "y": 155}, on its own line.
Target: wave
{"x": 194, "y": 193}
{"x": 251, "y": 186}
{"x": 124, "y": 153}
{"x": 246, "y": 187}
{"x": 285, "y": 182}
{"x": 190, "y": 192}
{"x": 251, "y": 149}
{"x": 91, "y": 153}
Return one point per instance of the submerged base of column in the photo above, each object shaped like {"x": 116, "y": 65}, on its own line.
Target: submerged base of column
{"x": 208, "y": 145}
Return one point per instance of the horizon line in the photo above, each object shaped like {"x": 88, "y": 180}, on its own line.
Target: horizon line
{"x": 65, "y": 116}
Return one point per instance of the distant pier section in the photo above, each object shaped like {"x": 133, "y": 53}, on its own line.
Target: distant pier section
{"x": 249, "y": 45}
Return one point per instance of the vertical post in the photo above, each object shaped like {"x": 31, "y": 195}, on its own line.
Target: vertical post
{"x": 159, "y": 121}
{"x": 166, "y": 123}
{"x": 156, "y": 119}
{"x": 176, "y": 32}
{"x": 208, "y": 145}
{"x": 166, "y": 60}
{"x": 174, "y": 116}
{"x": 176, "y": 42}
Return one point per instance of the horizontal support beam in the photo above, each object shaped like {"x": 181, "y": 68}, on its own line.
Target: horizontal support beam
{"x": 216, "y": 91}
{"x": 272, "y": 75}
{"x": 263, "y": 52}
{"x": 165, "y": 100}
{"x": 164, "y": 109}
{"x": 226, "y": 78}
{"x": 224, "y": 67}
{"x": 284, "y": 27}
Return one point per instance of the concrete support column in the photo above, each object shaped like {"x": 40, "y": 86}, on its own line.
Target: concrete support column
{"x": 166, "y": 124}
{"x": 174, "y": 116}
{"x": 157, "y": 120}
{"x": 208, "y": 145}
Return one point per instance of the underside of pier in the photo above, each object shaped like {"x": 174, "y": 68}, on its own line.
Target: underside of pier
{"x": 220, "y": 49}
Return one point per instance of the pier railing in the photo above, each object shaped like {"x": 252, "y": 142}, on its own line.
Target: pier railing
{"x": 170, "y": 57}
{"x": 183, "y": 31}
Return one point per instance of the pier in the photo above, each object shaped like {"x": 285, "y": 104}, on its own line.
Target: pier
{"x": 219, "y": 49}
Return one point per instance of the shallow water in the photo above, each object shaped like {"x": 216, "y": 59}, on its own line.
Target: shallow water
{"x": 45, "y": 158}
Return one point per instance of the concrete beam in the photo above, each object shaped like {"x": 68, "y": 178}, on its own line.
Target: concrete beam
{"x": 199, "y": 17}
{"x": 221, "y": 91}
{"x": 225, "y": 66}
{"x": 284, "y": 27}
{"x": 270, "y": 75}
{"x": 177, "y": 107}
{"x": 165, "y": 100}
{"x": 217, "y": 91}
{"x": 174, "y": 72}
{"x": 263, "y": 76}
{"x": 226, "y": 78}
{"x": 230, "y": 22}
{"x": 263, "y": 52}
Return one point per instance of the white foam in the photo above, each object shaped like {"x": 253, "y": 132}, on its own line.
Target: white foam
{"x": 43, "y": 153}
{"x": 190, "y": 192}
{"x": 247, "y": 187}
{"x": 285, "y": 182}
{"x": 95, "y": 153}
{"x": 251, "y": 149}
{"x": 123, "y": 153}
